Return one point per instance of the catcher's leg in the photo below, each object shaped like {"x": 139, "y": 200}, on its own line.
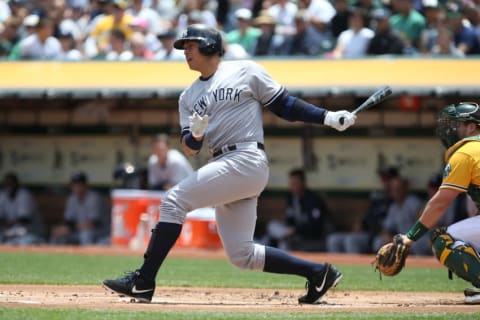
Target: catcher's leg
{"x": 458, "y": 256}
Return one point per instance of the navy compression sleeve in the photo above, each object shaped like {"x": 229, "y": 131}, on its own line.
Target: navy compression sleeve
{"x": 292, "y": 109}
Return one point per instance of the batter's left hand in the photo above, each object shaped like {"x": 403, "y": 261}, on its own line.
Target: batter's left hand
{"x": 333, "y": 119}
{"x": 198, "y": 125}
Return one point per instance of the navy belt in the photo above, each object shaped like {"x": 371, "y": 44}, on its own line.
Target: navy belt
{"x": 233, "y": 147}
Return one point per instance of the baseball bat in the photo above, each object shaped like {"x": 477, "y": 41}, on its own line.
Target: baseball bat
{"x": 374, "y": 99}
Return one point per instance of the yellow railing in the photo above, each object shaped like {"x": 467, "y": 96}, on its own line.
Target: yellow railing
{"x": 308, "y": 74}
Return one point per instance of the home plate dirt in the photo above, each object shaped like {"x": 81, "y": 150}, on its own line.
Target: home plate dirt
{"x": 227, "y": 299}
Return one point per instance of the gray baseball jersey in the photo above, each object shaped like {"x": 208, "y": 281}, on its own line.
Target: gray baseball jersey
{"x": 233, "y": 99}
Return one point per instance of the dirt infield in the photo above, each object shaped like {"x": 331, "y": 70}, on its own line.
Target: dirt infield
{"x": 215, "y": 299}
{"x": 228, "y": 299}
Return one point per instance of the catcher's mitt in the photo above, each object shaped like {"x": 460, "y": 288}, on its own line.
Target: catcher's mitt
{"x": 390, "y": 258}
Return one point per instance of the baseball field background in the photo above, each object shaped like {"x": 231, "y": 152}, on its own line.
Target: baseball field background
{"x": 47, "y": 116}
{"x": 65, "y": 283}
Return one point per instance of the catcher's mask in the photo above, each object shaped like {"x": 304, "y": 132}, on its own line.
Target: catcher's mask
{"x": 209, "y": 38}
{"x": 450, "y": 118}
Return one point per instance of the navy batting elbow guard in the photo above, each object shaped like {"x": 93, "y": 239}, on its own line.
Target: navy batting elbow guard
{"x": 292, "y": 109}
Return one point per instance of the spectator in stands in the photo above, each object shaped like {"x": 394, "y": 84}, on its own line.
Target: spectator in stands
{"x": 306, "y": 218}
{"x": 269, "y": 43}
{"x": 17, "y": 8}
{"x": 244, "y": 34}
{"x": 138, "y": 49}
{"x": 225, "y": 11}
{"x": 283, "y": 12}
{"x": 40, "y": 45}
{"x": 166, "y": 166}
{"x": 369, "y": 6}
{"x": 141, "y": 25}
{"x": 339, "y": 21}
{"x": 9, "y": 36}
{"x": 444, "y": 44}
{"x": 195, "y": 11}
{"x": 435, "y": 19}
{"x": 353, "y": 42}
{"x": 167, "y": 9}
{"x": 116, "y": 20}
{"x": 408, "y": 22}
{"x": 319, "y": 13}
{"x": 69, "y": 48}
{"x": 118, "y": 47}
{"x": 365, "y": 234}
{"x": 471, "y": 12}
{"x": 153, "y": 21}
{"x": 55, "y": 11}
{"x": 29, "y": 24}
{"x": 234, "y": 51}
{"x": 75, "y": 21}
{"x": 85, "y": 219}
{"x": 5, "y": 12}
{"x": 20, "y": 221}
{"x": 167, "y": 51}
{"x": 306, "y": 40}
{"x": 99, "y": 9}
{"x": 385, "y": 40}
{"x": 464, "y": 36}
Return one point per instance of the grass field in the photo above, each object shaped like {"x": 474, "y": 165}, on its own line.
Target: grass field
{"x": 71, "y": 269}
{"x": 15, "y": 314}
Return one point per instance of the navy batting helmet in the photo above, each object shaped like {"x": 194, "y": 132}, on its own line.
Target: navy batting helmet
{"x": 210, "y": 39}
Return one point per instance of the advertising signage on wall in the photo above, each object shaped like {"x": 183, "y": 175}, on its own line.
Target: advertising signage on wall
{"x": 338, "y": 164}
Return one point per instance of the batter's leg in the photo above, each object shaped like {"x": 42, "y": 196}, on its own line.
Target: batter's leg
{"x": 218, "y": 182}
{"x": 236, "y": 226}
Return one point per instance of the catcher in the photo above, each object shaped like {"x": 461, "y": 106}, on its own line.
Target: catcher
{"x": 456, "y": 246}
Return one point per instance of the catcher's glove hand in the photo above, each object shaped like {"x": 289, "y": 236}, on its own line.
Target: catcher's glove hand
{"x": 390, "y": 258}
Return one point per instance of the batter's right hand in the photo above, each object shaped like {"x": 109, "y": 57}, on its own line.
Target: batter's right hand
{"x": 198, "y": 125}
{"x": 333, "y": 119}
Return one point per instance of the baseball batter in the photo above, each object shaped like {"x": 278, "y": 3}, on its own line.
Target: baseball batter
{"x": 458, "y": 245}
{"x": 223, "y": 110}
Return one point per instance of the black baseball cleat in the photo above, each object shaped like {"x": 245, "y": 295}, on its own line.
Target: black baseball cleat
{"x": 319, "y": 284}
{"x": 132, "y": 285}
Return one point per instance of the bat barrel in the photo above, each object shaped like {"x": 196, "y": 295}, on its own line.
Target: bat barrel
{"x": 376, "y": 97}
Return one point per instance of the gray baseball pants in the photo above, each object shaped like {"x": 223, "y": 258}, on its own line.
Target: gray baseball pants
{"x": 231, "y": 183}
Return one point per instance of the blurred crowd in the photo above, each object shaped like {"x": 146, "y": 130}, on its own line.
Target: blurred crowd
{"x": 126, "y": 30}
